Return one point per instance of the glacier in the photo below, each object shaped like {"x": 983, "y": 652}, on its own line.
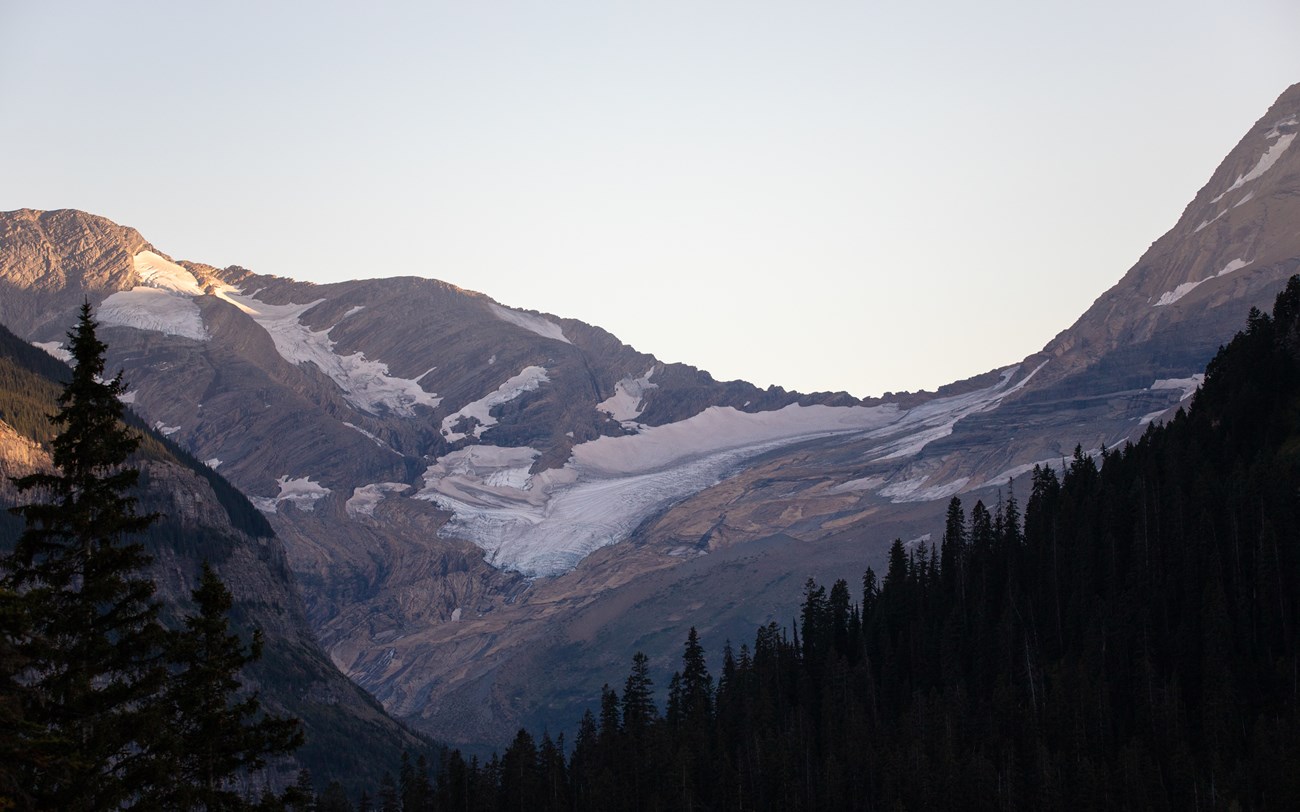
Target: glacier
{"x": 544, "y": 523}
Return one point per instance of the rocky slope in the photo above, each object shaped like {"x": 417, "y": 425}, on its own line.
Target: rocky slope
{"x": 490, "y": 509}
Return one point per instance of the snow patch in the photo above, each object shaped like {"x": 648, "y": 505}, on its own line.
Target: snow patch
{"x": 865, "y": 483}
{"x": 128, "y": 397}
{"x": 366, "y": 384}
{"x": 54, "y": 348}
{"x": 163, "y": 302}
{"x": 1235, "y": 265}
{"x": 366, "y": 498}
{"x": 352, "y": 311}
{"x": 532, "y": 323}
{"x": 936, "y": 419}
{"x": 1169, "y": 297}
{"x": 163, "y": 274}
{"x": 1188, "y": 385}
{"x": 455, "y": 615}
{"x": 528, "y": 380}
{"x": 1147, "y": 418}
{"x": 1245, "y": 199}
{"x": 153, "y": 309}
{"x": 1205, "y": 223}
{"x": 1268, "y": 159}
{"x": 374, "y": 439}
{"x": 165, "y": 431}
{"x": 1017, "y": 471}
{"x": 914, "y": 490}
{"x": 213, "y": 463}
{"x": 625, "y": 404}
{"x": 302, "y": 493}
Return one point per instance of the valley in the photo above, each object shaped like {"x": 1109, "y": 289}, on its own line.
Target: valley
{"x": 487, "y": 509}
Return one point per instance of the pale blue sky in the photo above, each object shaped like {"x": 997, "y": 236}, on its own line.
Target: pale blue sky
{"x": 858, "y": 196}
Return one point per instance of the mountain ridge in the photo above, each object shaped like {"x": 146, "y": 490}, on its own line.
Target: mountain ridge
{"x": 465, "y": 491}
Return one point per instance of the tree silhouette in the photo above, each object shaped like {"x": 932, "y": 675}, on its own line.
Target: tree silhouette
{"x": 93, "y": 648}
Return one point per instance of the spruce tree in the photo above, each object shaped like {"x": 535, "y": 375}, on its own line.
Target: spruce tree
{"x": 215, "y": 734}
{"x": 93, "y": 647}
{"x": 638, "y": 698}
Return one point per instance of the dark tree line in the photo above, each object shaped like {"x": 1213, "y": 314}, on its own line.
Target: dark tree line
{"x": 103, "y": 707}
{"x": 1129, "y": 641}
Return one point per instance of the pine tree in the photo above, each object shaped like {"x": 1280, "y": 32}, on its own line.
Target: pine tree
{"x": 638, "y": 698}
{"x": 522, "y": 785}
{"x": 639, "y": 713}
{"x": 952, "y": 557}
{"x": 93, "y": 649}
{"x": 214, "y": 733}
{"x": 697, "y": 684}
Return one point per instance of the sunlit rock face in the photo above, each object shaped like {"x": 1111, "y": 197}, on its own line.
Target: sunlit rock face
{"x": 490, "y": 509}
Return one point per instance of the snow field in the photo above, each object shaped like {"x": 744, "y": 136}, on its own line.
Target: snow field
{"x": 533, "y": 324}
{"x": 528, "y": 380}
{"x": 366, "y": 384}
{"x": 625, "y": 404}
{"x": 301, "y": 492}
{"x": 1182, "y": 290}
{"x": 165, "y": 303}
{"x": 366, "y": 498}
{"x": 57, "y": 349}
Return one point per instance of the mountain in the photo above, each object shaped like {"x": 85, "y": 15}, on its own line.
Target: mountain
{"x": 203, "y": 517}
{"x": 489, "y": 509}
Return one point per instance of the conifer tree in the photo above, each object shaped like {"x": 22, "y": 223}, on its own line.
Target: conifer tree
{"x": 216, "y": 734}
{"x": 93, "y": 649}
{"x": 638, "y": 698}
{"x": 697, "y": 684}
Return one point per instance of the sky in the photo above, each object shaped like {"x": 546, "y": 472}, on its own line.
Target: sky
{"x": 860, "y": 196}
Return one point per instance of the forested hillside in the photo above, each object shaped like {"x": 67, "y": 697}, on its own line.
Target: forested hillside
{"x": 1131, "y": 643}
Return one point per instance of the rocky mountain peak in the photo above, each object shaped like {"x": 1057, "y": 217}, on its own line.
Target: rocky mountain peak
{"x": 1226, "y": 247}
{"x": 64, "y": 253}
